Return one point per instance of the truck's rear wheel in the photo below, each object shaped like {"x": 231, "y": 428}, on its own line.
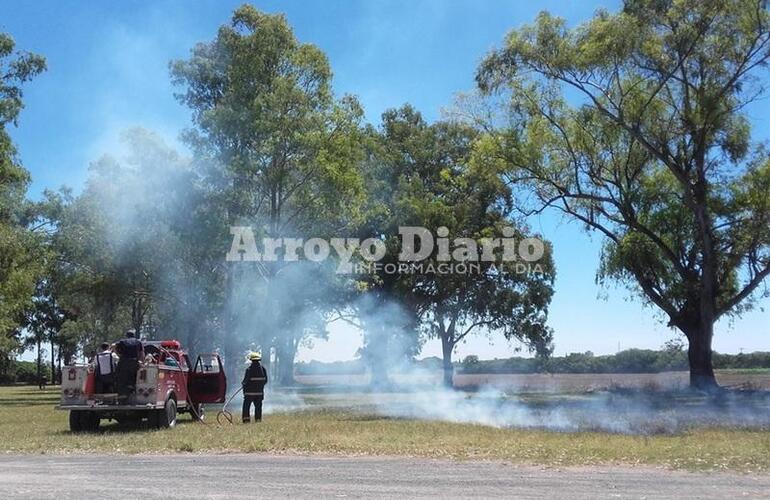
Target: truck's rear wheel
{"x": 92, "y": 421}
{"x": 166, "y": 417}
{"x": 84, "y": 421}
{"x": 75, "y": 421}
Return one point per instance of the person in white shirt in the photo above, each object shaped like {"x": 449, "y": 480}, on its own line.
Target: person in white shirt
{"x": 105, "y": 362}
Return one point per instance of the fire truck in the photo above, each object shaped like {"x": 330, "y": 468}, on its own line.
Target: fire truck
{"x": 167, "y": 383}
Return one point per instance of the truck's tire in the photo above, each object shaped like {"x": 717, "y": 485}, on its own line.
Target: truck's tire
{"x": 84, "y": 421}
{"x": 166, "y": 417}
{"x": 76, "y": 422}
{"x": 92, "y": 421}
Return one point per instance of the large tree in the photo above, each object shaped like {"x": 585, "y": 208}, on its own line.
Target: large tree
{"x": 20, "y": 249}
{"x": 441, "y": 183}
{"x": 131, "y": 249}
{"x": 635, "y": 124}
{"x": 283, "y": 155}
{"x": 428, "y": 175}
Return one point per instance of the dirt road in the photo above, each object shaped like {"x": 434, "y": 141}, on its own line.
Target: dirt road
{"x": 250, "y": 476}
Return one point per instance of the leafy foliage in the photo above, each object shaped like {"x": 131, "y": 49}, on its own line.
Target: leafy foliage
{"x": 427, "y": 177}
{"x": 282, "y": 155}
{"x": 21, "y": 258}
{"x": 634, "y": 124}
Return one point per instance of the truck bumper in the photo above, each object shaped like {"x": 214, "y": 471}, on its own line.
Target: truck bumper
{"x": 109, "y": 408}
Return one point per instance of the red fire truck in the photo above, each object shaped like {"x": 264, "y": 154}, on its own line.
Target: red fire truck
{"x": 167, "y": 383}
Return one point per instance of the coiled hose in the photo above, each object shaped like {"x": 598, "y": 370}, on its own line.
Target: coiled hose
{"x": 224, "y": 413}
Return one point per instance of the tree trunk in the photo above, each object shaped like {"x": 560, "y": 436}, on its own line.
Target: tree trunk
{"x": 376, "y": 353}
{"x": 699, "y": 350}
{"x": 447, "y": 346}
{"x": 286, "y": 354}
{"x": 699, "y": 356}
{"x": 193, "y": 336}
{"x": 39, "y": 365}
{"x": 285, "y": 371}
{"x": 229, "y": 349}
{"x": 137, "y": 314}
{"x": 53, "y": 364}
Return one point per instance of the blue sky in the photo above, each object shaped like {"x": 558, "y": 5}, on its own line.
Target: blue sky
{"x": 108, "y": 72}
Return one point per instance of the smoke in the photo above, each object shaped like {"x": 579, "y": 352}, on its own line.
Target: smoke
{"x": 620, "y": 412}
{"x": 626, "y": 413}
{"x": 158, "y": 226}
{"x": 414, "y": 392}
{"x": 155, "y": 227}
{"x": 410, "y": 391}
{"x": 128, "y": 245}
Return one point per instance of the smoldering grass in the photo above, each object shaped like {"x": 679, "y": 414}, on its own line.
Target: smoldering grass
{"x": 334, "y": 430}
{"x": 618, "y": 411}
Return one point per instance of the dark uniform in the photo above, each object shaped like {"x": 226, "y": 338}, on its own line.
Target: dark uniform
{"x": 130, "y": 350}
{"x": 254, "y": 381}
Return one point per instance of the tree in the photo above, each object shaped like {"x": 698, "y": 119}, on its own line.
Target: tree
{"x": 44, "y": 322}
{"x": 496, "y": 299}
{"x": 306, "y": 292}
{"x": 83, "y": 277}
{"x": 279, "y": 153}
{"x": 441, "y": 184}
{"x": 385, "y": 306}
{"x": 426, "y": 175}
{"x": 20, "y": 263}
{"x": 134, "y": 249}
{"x": 635, "y": 125}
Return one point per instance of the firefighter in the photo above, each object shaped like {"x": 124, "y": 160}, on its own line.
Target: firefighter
{"x": 130, "y": 351}
{"x": 104, "y": 365}
{"x": 254, "y": 381}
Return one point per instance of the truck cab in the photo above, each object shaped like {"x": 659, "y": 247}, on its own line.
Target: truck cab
{"x": 167, "y": 383}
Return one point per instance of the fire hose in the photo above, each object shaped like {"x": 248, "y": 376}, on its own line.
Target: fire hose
{"x": 224, "y": 413}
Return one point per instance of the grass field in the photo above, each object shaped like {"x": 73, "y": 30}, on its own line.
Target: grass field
{"x": 29, "y": 424}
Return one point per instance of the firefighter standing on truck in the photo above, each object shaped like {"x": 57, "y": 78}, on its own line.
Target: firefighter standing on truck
{"x": 130, "y": 351}
{"x": 104, "y": 365}
{"x": 254, "y": 381}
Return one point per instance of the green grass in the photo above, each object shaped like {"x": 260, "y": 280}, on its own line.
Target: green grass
{"x": 29, "y": 424}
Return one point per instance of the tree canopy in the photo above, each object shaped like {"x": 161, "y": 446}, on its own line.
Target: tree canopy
{"x": 430, "y": 178}
{"x": 21, "y": 256}
{"x": 634, "y": 123}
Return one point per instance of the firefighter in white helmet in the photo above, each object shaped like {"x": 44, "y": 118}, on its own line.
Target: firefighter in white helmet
{"x": 254, "y": 381}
